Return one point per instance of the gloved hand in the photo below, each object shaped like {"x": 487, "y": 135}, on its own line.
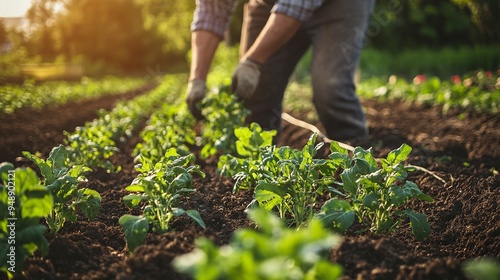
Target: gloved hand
{"x": 195, "y": 93}
{"x": 245, "y": 78}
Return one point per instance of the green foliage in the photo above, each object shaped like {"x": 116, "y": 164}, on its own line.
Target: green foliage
{"x": 10, "y": 67}
{"x": 374, "y": 195}
{"x": 85, "y": 28}
{"x": 14, "y": 97}
{"x": 285, "y": 179}
{"x": 483, "y": 14}
{"x": 154, "y": 32}
{"x": 23, "y": 202}
{"x": 145, "y": 33}
{"x": 252, "y": 146}
{"x": 410, "y": 62}
{"x": 484, "y": 268}
{"x": 225, "y": 113}
{"x": 225, "y": 60}
{"x": 95, "y": 143}
{"x": 406, "y": 63}
{"x": 274, "y": 252}
{"x": 420, "y": 23}
{"x": 91, "y": 145}
{"x": 291, "y": 182}
{"x": 168, "y": 127}
{"x": 294, "y": 181}
{"x": 251, "y": 139}
{"x": 159, "y": 185}
{"x": 162, "y": 18}
{"x": 61, "y": 180}
{"x": 479, "y": 92}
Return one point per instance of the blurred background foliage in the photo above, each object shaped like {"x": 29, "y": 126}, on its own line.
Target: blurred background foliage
{"x": 132, "y": 36}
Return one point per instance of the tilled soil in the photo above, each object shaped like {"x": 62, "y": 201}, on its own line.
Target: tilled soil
{"x": 462, "y": 148}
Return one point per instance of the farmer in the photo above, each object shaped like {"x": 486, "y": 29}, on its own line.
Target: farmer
{"x": 275, "y": 35}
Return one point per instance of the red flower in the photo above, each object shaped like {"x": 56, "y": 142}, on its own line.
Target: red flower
{"x": 488, "y": 74}
{"x": 419, "y": 79}
{"x": 456, "y": 79}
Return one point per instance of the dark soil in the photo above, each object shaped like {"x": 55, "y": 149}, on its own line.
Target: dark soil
{"x": 35, "y": 130}
{"x": 462, "y": 148}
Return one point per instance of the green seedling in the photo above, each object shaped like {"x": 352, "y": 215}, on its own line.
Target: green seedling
{"x": 159, "y": 186}
{"x": 273, "y": 252}
{"x": 61, "y": 180}
{"x": 225, "y": 113}
{"x": 375, "y": 195}
{"x": 23, "y": 203}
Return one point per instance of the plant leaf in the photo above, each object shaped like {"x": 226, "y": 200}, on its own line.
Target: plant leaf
{"x": 370, "y": 200}
{"x": 57, "y": 159}
{"x": 45, "y": 169}
{"x": 132, "y": 200}
{"x": 418, "y": 221}
{"x": 34, "y": 234}
{"x": 335, "y": 148}
{"x": 336, "y": 213}
{"x": 36, "y": 203}
{"x": 196, "y": 216}
{"x": 135, "y": 229}
{"x": 268, "y": 195}
{"x": 135, "y": 188}
{"x": 5, "y": 167}
{"x": 349, "y": 177}
{"x": 89, "y": 203}
{"x": 400, "y": 154}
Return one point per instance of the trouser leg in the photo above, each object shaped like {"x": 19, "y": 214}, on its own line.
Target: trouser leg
{"x": 337, "y": 32}
{"x": 266, "y": 103}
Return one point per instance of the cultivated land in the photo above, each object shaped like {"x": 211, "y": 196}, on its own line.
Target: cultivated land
{"x": 463, "y": 148}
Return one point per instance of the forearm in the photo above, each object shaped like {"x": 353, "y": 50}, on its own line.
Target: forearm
{"x": 203, "y": 47}
{"x": 278, "y": 30}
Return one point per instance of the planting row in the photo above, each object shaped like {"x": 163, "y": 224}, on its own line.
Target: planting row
{"x": 479, "y": 91}
{"x": 285, "y": 181}
{"x": 30, "y": 94}
{"x": 315, "y": 199}
{"x": 56, "y": 197}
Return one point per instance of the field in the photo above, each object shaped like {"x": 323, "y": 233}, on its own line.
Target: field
{"x": 460, "y": 146}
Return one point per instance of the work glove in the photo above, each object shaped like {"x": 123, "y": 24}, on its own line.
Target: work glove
{"x": 195, "y": 93}
{"x": 245, "y": 78}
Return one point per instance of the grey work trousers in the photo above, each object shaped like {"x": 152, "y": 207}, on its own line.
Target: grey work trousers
{"x": 336, "y": 33}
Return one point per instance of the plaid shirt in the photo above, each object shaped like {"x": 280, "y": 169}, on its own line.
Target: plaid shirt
{"x": 213, "y": 15}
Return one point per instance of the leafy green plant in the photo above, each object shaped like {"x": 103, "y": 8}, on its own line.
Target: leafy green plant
{"x": 374, "y": 195}
{"x": 91, "y": 145}
{"x": 168, "y": 127}
{"x": 284, "y": 179}
{"x": 479, "y": 91}
{"x": 252, "y": 146}
{"x": 29, "y": 94}
{"x": 274, "y": 252}
{"x": 225, "y": 113}
{"x": 23, "y": 202}
{"x": 95, "y": 143}
{"x": 484, "y": 268}
{"x": 62, "y": 182}
{"x": 295, "y": 183}
{"x": 159, "y": 185}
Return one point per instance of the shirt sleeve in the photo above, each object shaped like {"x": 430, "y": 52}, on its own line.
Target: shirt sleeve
{"x": 299, "y": 9}
{"x": 212, "y": 15}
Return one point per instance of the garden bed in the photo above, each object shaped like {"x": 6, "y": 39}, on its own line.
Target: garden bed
{"x": 463, "y": 149}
